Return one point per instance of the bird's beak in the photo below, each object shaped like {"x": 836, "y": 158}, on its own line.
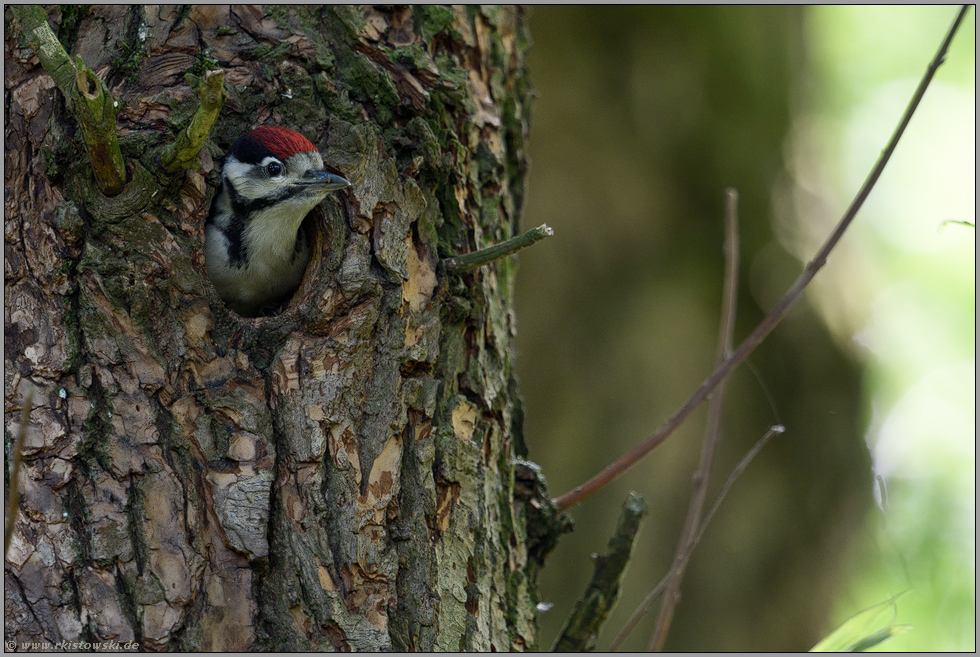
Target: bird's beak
{"x": 325, "y": 180}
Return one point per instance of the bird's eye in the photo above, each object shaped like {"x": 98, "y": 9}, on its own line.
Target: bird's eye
{"x": 274, "y": 168}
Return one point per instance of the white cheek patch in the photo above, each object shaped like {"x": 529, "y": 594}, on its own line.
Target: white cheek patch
{"x": 235, "y": 170}
{"x": 253, "y": 181}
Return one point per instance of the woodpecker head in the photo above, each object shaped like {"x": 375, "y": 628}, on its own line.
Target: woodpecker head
{"x": 272, "y": 166}
{"x": 255, "y": 250}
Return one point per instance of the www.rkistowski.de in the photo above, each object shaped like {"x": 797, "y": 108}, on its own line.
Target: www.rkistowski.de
{"x": 69, "y": 645}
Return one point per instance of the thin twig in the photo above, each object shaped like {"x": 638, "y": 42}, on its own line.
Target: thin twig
{"x": 627, "y": 461}
{"x": 13, "y": 496}
{"x": 957, "y": 222}
{"x": 651, "y": 598}
{"x": 712, "y": 434}
{"x": 468, "y": 261}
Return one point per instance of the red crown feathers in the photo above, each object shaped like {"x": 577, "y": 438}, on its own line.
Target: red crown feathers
{"x": 281, "y": 142}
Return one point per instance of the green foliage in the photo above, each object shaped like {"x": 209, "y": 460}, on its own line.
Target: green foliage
{"x": 915, "y": 307}
{"x": 864, "y": 630}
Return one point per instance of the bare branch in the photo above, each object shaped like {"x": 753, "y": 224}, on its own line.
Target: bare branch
{"x": 765, "y": 327}
{"x": 468, "y": 261}
{"x": 651, "y": 598}
{"x": 712, "y": 434}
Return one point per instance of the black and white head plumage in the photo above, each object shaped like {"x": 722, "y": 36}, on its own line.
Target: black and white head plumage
{"x": 256, "y": 251}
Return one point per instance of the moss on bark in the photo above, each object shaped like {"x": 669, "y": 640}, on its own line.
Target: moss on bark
{"x": 339, "y": 475}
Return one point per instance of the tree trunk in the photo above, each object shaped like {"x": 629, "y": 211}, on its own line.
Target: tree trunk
{"x": 343, "y": 475}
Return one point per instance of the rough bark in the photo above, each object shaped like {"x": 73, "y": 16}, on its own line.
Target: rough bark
{"x": 338, "y": 476}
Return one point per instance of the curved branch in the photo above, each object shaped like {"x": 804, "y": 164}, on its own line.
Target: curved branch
{"x": 749, "y": 345}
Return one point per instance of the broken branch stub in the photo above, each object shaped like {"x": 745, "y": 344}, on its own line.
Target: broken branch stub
{"x": 86, "y": 95}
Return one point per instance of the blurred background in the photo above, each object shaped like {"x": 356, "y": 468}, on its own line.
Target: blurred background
{"x": 643, "y": 116}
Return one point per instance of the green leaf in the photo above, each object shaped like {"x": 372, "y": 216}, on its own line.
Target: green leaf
{"x": 864, "y": 630}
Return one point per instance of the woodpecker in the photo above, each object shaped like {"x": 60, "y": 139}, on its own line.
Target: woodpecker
{"x": 255, "y": 249}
